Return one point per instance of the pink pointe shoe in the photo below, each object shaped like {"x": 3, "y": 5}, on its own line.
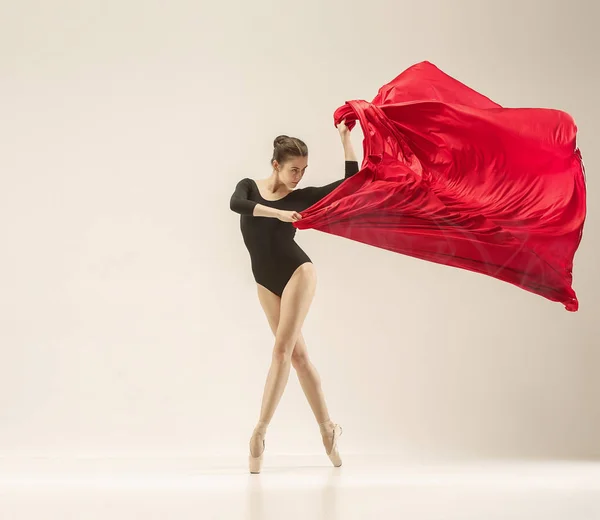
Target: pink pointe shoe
{"x": 334, "y": 431}
{"x": 255, "y": 463}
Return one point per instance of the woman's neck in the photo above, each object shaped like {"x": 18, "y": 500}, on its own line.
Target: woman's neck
{"x": 274, "y": 186}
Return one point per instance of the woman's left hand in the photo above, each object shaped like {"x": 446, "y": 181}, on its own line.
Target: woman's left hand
{"x": 343, "y": 129}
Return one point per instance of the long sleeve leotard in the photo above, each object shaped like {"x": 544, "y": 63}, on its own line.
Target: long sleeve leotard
{"x": 274, "y": 254}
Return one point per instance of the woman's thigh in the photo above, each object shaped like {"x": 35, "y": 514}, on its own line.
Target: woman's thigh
{"x": 294, "y": 306}
{"x": 270, "y": 303}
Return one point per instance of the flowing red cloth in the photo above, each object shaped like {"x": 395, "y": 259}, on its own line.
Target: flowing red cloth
{"x": 451, "y": 177}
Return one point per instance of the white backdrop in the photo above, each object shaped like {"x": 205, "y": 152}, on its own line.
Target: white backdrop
{"x": 130, "y": 322}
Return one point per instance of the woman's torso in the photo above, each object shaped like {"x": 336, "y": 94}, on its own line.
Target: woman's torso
{"x": 269, "y": 238}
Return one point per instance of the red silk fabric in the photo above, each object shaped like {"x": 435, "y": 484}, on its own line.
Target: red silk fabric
{"x": 451, "y": 177}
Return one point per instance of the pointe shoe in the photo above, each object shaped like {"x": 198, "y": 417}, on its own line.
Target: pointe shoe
{"x": 255, "y": 463}
{"x": 334, "y": 454}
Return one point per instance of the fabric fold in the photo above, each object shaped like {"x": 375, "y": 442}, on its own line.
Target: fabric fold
{"x": 450, "y": 176}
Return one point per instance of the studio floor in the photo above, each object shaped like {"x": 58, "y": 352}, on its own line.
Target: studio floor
{"x": 297, "y": 488}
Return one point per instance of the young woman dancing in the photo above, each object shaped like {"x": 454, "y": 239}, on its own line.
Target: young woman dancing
{"x": 286, "y": 278}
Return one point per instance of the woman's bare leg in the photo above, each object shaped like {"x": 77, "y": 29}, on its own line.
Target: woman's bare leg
{"x": 305, "y": 370}
{"x": 294, "y": 306}
{"x": 313, "y": 390}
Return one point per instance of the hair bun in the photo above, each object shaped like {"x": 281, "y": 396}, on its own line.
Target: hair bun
{"x": 280, "y": 140}
{"x": 286, "y": 147}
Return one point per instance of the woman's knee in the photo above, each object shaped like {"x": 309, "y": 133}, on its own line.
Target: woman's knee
{"x": 284, "y": 348}
{"x": 299, "y": 359}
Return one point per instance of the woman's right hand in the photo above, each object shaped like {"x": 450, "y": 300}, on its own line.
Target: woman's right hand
{"x": 289, "y": 216}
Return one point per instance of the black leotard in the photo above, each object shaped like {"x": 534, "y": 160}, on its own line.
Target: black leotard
{"x": 274, "y": 253}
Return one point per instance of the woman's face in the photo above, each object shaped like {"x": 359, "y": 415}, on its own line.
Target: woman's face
{"x": 292, "y": 171}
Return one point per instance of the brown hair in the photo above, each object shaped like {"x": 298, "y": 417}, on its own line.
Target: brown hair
{"x": 287, "y": 147}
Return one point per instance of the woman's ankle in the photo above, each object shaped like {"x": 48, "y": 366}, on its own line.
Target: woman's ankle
{"x": 261, "y": 427}
{"x": 326, "y": 427}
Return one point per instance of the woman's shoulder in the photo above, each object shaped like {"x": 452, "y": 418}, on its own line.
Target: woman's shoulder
{"x": 246, "y": 182}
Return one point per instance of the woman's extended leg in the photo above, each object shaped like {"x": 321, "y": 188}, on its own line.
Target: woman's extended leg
{"x": 311, "y": 385}
{"x": 295, "y": 304}
{"x": 306, "y": 371}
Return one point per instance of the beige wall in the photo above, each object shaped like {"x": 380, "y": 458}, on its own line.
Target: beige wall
{"x": 130, "y": 323}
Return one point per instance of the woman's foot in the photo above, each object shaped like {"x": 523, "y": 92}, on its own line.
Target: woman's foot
{"x": 257, "y": 448}
{"x": 330, "y": 433}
